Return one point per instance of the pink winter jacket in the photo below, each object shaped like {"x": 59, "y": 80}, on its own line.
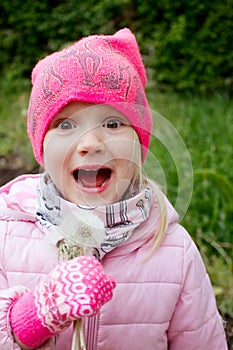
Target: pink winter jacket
{"x": 162, "y": 303}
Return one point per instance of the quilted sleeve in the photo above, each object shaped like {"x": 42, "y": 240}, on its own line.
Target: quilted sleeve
{"x": 3, "y": 230}
{"x": 7, "y": 298}
{"x": 196, "y": 323}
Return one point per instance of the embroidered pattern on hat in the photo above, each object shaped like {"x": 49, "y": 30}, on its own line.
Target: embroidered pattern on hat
{"x": 99, "y": 69}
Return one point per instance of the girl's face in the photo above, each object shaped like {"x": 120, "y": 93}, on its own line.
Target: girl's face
{"x": 91, "y": 152}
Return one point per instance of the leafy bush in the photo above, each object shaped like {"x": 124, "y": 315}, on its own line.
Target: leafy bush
{"x": 186, "y": 45}
{"x": 192, "y": 46}
{"x": 14, "y": 142}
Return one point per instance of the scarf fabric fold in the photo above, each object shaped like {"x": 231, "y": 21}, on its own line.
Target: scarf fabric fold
{"x": 78, "y": 230}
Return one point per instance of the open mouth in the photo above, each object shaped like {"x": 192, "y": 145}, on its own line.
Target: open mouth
{"x": 92, "y": 178}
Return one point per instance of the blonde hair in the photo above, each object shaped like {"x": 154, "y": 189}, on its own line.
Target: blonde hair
{"x": 139, "y": 181}
{"x": 163, "y": 221}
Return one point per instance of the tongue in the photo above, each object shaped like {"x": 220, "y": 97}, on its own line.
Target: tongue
{"x": 93, "y": 178}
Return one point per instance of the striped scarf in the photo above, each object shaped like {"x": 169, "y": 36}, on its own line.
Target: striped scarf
{"x": 78, "y": 230}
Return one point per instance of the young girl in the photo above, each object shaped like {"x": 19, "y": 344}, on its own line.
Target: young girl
{"x": 93, "y": 214}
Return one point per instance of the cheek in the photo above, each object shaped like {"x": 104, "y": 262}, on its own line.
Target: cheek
{"x": 124, "y": 149}
{"x": 130, "y": 152}
{"x": 131, "y": 165}
{"x": 54, "y": 154}
{"x": 129, "y": 161}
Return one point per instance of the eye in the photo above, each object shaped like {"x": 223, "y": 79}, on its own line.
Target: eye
{"x": 113, "y": 124}
{"x": 66, "y": 125}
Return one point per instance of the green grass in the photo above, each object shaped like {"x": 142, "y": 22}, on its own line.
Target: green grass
{"x": 206, "y": 127}
{"x": 190, "y": 156}
{"x": 14, "y": 142}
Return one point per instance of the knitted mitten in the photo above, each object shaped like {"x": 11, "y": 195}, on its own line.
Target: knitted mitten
{"x": 75, "y": 288}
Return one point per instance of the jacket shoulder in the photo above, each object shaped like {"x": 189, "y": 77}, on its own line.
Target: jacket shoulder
{"x": 17, "y": 197}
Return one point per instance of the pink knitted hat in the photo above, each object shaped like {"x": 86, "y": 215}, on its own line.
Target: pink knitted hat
{"x": 102, "y": 69}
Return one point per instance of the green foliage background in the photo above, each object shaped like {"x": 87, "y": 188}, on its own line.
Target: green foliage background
{"x": 187, "y": 45}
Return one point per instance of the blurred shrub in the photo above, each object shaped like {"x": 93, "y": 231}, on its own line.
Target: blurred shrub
{"x": 186, "y": 45}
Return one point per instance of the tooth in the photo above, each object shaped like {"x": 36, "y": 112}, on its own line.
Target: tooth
{"x": 90, "y": 170}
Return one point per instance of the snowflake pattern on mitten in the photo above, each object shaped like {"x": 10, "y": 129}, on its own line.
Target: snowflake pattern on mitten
{"x": 74, "y": 289}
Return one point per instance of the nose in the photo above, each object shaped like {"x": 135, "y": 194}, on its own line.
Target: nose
{"x": 90, "y": 142}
